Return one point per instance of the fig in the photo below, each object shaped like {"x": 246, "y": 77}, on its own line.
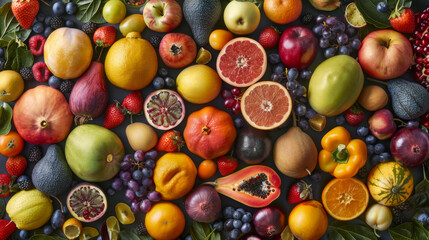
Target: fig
{"x": 269, "y": 221}
{"x": 410, "y": 146}
{"x": 203, "y": 204}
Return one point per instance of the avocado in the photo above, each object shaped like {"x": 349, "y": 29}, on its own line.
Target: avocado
{"x": 52, "y": 175}
{"x": 202, "y": 16}
{"x": 253, "y": 146}
{"x": 410, "y": 100}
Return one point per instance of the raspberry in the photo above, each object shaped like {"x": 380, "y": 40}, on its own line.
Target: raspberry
{"x": 37, "y": 43}
{"x": 41, "y": 72}
{"x": 35, "y": 154}
{"x": 89, "y": 28}
{"x": 56, "y": 22}
{"x": 66, "y": 86}
{"x": 155, "y": 41}
{"x": 26, "y": 73}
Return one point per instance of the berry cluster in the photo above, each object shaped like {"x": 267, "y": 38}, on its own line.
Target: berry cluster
{"x": 232, "y": 99}
{"x": 237, "y": 222}
{"x": 163, "y": 80}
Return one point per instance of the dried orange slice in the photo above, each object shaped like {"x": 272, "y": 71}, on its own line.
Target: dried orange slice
{"x": 345, "y": 199}
{"x": 266, "y": 105}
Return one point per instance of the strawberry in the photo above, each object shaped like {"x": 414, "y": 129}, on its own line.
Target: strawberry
{"x": 104, "y": 36}
{"x": 299, "y": 192}
{"x": 114, "y": 116}
{"x": 269, "y": 37}
{"x": 16, "y": 166}
{"x": 354, "y": 115}
{"x": 5, "y": 184}
{"x": 133, "y": 103}
{"x": 226, "y": 165}
{"x": 6, "y": 229}
{"x": 170, "y": 141}
{"x": 403, "y": 20}
{"x": 25, "y": 12}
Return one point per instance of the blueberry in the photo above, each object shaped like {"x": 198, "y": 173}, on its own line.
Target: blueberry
{"x": 413, "y": 124}
{"x": 47, "y": 20}
{"x": 375, "y": 159}
{"x": 235, "y": 234}
{"x": 237, "y": 224}
{"x": 227, "y": 212}
{"x": 147, "y": 172}
{"x": 305, "y": 74}
{"x": 228, "y": 224}
{"x": 59, "y": 8}
{"x": 170, "y": 82}
{"x": 163, "y": 72}
{"x": 218, "y": 226}
{"x": 370, "y": 139}
{"x": 48, "y": 31}
{"x": 279, "y": 68}
{"x": 54, "y": 82}
{"x": 69, "y": 23}
{"x": 111, "y": 192}
{"x": 40, "y": 17}
{"x": 362, "y": 131}
{"x": 241, "y": 210}
{"x": 71, "y": 8}
{"x": 292, "y": 73}
{"x": 340, "y": 120}
{"x": 237, "y": 215}
{"x": 238, "y": 122}
{"x": 158, "y": 83}
{"x": 57, "y": 219}
{"x": 38, "y": 27}
{"x": 378, "y": 148}
{"x": 273, "y": 58}
{"x": 47, "y": 230}
{"x": 246, "y": 228}
{"x": 423, "y": 218}
{"x": 384, "y": 157}
{"x": 382, "y": 7}
{"x": 370, "y": 149}
{"x": 188, "y": 237}
{"x": 247, "y": 217}
{"x": 23, "y": 234}
{"x": 1, "y": 53}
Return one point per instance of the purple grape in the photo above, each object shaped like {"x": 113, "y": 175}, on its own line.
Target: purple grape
{"x": 303, "y": 124}
{"x": 279, "y": 68}
{"x": 351, "y": 31}
{"x": 150, "y": 164}
{"x": 324, "y": 43}
{"x": 129, "y": 194}
{"x": 145, "y": 205}
{"x": 330, "y": 52}
{"x": 137, "y": 175}
{"x": 300, "y": 110}
{"x": 128, "y": 158}
{"x": 299, "y": 91}
{"x": 238, "y": 122}
{"x": 326, "y": 33}
{"x": 126, "y": 176}
{"x": 318, "y": 29}
{"x": 139, "y": 155}
{"x": 154, "y": 196}
{"x": 342, "y": 39}
{"x": 117, "y": 184}
{"x": 125, "y": 165}
{"x": 133, "y": 185}
{"x": 291, "y": 85}
{"x": 292, "y": 74}
{"x": 111, "y": 192}
{"x": 135, "y": 206}
{"x": 276, "y": 77}
{"x": 152, "y": 154}
{"x": 331, "y": 21}
{"x": 344, "y": 50}
{"x": 147, "y": 182}
{"x": 147, "y": 172}
{"x": 305, "y": 74}
{"x": 355, "y": 44}
{"x": 339, "y": 27}
{"x": 141, "y": 192}
{"x": 310, "y": 114}
{"x": 320, "y": 18}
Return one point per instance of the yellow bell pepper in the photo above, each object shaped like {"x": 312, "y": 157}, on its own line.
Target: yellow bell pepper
{"x": 342, "y": 156}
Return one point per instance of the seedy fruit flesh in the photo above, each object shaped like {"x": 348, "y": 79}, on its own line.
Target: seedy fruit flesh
{"x": 87, "y": 203}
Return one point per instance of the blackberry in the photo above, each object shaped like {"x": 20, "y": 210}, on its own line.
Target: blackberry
{"x": 363, "y": 172}
{"x": 26, "y": 73}
{"x": 2, "y": 62}
{"x": 307, "y": 18}
{"x": 35, "y": 154}
{"x": 66, "y": 86}
{"x": 89, "y": 28}
{"x": 404, "y": 206}
{"x": 56, "y": 22}
{"x": 398, "y": 216}
{"x": 155, "y": 41}
{"x": 24, "y": 182}
{"x": 141, "y": 228}
{"x": 316, "y": 176}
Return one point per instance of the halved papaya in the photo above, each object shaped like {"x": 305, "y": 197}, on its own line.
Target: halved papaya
{"x": 255, "y": 186}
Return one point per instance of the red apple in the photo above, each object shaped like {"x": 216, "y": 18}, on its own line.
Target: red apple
{"x": 385, "y": 54}
{"x": 162, "y": 15}
{"x": 298, "y": 47}
{"x": 177, "y": 50}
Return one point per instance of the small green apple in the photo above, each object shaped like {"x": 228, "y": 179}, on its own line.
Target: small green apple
{"x": 241, "y": 17}
{"x": 114, "y": 11}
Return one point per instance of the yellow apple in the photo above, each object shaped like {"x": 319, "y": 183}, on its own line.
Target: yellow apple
{"x": 241, "y": 17}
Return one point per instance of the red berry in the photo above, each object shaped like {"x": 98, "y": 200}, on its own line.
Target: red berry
{"x": 236, "y": 109}
{"x": 236, "y": 91}
{"x": 228, "y": 103}
{"x": 41, "y": 72}
{"x": 37, "y": 44}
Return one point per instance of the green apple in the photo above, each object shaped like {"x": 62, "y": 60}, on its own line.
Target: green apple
{"x": 241, "y": 17}
{"x": 114, "y": 11}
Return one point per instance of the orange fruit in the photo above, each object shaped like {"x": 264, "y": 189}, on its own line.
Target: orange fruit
{"x": 242, "y": 62}
{"x": 165, "y": 221}
{"x": 345, "y": 199}
{"x": 219, "y": 37}
{"x": 282, "y": 11}
{"x": 72, "y": 228}
{"x": 207, "y": 169}
{"x": 266, "y": 105}
{"x": 308, "y": 220}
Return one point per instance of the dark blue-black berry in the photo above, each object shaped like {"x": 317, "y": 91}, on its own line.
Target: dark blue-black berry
{"x": 38, "y": 27}
{"x": 40, "y": 17}
{"x": 2, "y": 63}
{"x": 163, "y": 72}
{"x": 307, "y": 18}
{"x": 385, "y": 157}
{"x": 47, "y": 20}
{"x": 274, "y": 58}
{"x": 54, "y": 82}
{"x": 1, "y": 53}
{"x": 228, "y": 224}
{"x": 237, "y": 215}
{"x": 340, "y": 120}
{"x": 279, "y": 68}
{"x": 158, "y": 83}
{"x": 59, "y": 8}
{"x": 56, "y": 22}
{"x": 26, "y": 73}
{"x": 227, "y": 212}
{"x": 66, "y": 86}
{"x": 218, "y": 226}
{"x": 48, "y": 31}
{"x": 370, "y": 149}
{"x": 238, "y": 122}
{"x": 89, "y": 28}
{"x": 382, "y": 7}
{"x": 71, "y": 8}
{"x": 24, "y": 182}
{"x": 155, "y": 40}
{"x": 378, "y": 148}
{"x": 362, "y": 131}
{"x": 48, "y": 230}
{"x": 70, "y": 24}
{"x": 170, "y": 82}
{"x": 24, "y": 234}
{"x": 235, "y": 234}
{"x": 370, "y": 139}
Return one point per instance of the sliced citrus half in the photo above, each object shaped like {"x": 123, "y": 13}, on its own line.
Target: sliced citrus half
{"x": 345, "y": 199}
{"x": 241, "y": 62}
{"x": 124, "y": 214}
{"x": 87, "y": 202}
{"x": 354, "y": 17}
{"x": 266, "y": 105}
{"x": 164, "y": 109}
{"x": 204, "y": 56}
{"x": 88, "y": 233}
{"x": 72, "y": 228}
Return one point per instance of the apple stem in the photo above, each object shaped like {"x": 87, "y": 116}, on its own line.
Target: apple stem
{"x": 377, "y": 81}
{"x": 375, "y": 232}
{"x": 47, "y": 4}
{"x": 403, "y": 124}
{"x": 308, "y": 171}
{"x": 61, "y": 205}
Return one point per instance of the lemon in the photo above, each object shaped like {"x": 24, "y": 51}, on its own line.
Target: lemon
{"x": 354, "y": 17}
{"x": 11, "y": 85}
{"x": 88, "y": 233}
{"x": 72, "y": 228}
{"x": 198, "y": 84}
{"x": 113, "y": 227}
{"x": 29, "y": 209}
{"x": 124, "y": 213}
{"x": 203, "y": 56}
{"x": 131, "y": 62}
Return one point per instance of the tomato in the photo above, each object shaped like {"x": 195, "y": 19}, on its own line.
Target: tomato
{"x": 11, "y": 144}
{"x": 218, "y": 38}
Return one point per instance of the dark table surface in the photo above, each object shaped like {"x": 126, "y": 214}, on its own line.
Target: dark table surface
{"x": 119, "y": 94}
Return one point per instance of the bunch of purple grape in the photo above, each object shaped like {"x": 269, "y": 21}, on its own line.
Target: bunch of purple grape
{"x": 137, "y": 176}
{"x": 335, "y": 36}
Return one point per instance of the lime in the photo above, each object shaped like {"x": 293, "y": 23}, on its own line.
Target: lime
{"x": 354, "y": 17}
{"x": 203, "y": 56}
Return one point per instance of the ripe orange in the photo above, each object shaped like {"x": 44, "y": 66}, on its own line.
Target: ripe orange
{"x": 266, "y": 105}
{"x": 219, "y": 37}
{"x": 282, "y": 11}
{"x": 165, "y": 221}
{"x": 206, "y": 169}
{"x": 345, "y": 199}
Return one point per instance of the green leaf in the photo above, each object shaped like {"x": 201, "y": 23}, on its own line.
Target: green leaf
{"x": 90, "y": 10}
{"x": 368, "y": 9}
{"x": 350, "y": 231}
{"x": 2, "y": 207}
{"x": 201, "y": 231}
{"x": 131, "y": 234}
{"x": 46, "y": 237}
{"x": 5, "y": 118}
{"x": 18, "y": 56}
{"x": 9, "y": 26}
{"x": 409, "y": 231}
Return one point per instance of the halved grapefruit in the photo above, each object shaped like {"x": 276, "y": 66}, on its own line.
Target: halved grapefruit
{"x": 241, "y": 62}
{"x": 266, "y": 105}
